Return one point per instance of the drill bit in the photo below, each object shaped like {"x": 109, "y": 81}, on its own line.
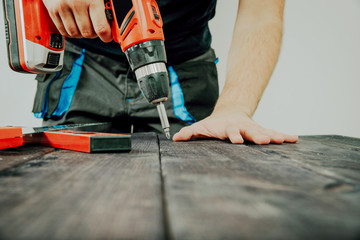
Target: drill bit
{"x": 164, "y": 119}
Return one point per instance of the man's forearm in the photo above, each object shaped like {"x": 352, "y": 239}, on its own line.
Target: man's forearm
{"x": 253, "y": 55}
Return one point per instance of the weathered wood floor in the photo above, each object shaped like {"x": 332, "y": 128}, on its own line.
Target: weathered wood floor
{"x": 204, "y": 189}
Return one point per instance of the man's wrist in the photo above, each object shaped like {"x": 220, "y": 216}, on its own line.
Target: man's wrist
{"x": 235, "y": 100}
{"x": 231, "y": 108}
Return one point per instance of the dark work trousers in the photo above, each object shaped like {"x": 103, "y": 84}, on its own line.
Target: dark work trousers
{"x": 97, "y": 88}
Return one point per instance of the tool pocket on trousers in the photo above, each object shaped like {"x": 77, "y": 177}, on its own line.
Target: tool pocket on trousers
{"x": 199, "y": 84}
{"x": 41, "y": 101}
{"x": 52, "y": 94}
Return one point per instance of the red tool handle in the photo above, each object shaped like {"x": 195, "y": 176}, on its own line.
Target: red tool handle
{"x": 38, "y": 24}
{"x": 29, "y": 26}
{"x": 10, "y": 137}
{"x": 142, "y": 23}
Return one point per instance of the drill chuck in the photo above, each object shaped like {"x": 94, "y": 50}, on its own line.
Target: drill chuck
{"x": 148, "y": 60}
{"x": 153, "y": 81}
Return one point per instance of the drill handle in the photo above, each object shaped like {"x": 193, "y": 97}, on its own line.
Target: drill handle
{"x": 142, "y": 23}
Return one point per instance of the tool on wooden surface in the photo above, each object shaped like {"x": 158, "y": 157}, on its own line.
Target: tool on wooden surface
{"x": 60, "y": 137}
{"x": 35, "y": 45}
{"x": 13, "y": 136}
{"x": 82, "y": 141}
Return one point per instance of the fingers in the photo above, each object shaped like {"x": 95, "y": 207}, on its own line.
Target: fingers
{"x": 275, "y": 137}
{"x": 233, "y": 134}
{"x": 265, "y": 136}
{"x": 291, "y": 138}
{"x": 59, "y": 24}
{"x": 100, "y": 23}
{"x": 197, "y": 130}
{"x": 80, "y": 19}
{"x": 53, "y": 8}
{"x": 255, "y": 135}
{"x": 278, "y": 137}
{"x": 236, "y": 134}
{"x": 184, "y": 134}
{"x": 69, "y": 22}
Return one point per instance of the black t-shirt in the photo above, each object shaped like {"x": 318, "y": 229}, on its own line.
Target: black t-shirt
{"x": 185, "y": 28}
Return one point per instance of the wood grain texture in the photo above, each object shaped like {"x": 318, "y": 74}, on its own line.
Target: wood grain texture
{"x": 13, "y": 157}
{"x": 308, "y": 190}
{"x": 72, "y": 195}
{"x": 204, "y": 189}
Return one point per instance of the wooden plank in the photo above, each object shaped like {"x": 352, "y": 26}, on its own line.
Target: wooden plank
{"x": 333, "y": 156}
{"x": 216, "y": 190}
{"x": 72, "y": 195}
{"x": 336, "y": 139}
{"x": 12, "y": 157}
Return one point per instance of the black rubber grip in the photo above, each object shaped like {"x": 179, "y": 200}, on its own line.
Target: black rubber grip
{"x": 155, "y": 86}
{"x": 127, "y": 22}
{"x": 11, "y": 36}
{"x": 145, "y": 53}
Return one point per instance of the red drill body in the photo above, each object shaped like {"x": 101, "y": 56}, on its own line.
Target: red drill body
{"x": 35, "y": 45}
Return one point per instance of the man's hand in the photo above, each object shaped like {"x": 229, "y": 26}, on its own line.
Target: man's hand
{"x": 234, "y": 127}
{"x": 252, "y": 58}
{"x": 80, "y": 18}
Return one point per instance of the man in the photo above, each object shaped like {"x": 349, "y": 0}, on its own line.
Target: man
{"x": 106, "y": 90}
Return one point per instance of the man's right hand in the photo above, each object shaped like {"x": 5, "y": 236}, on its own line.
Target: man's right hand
{"x": 80, "y": 18}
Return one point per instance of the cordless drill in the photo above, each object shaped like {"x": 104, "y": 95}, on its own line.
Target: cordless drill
{"x": 142, "y": 40}
{"x": 34, "y": 44}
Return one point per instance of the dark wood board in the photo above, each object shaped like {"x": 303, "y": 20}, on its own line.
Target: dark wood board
{"x": 333, "y": 156}
{"x": 15, "y": 156}
{"x": 204, "y": 189}
{"x": 72, "y": 195}
{"x": 308, "y": 190}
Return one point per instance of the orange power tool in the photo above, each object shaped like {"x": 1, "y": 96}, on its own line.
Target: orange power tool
{"x": 142, "y": 40}
{"x": 61, "y": 137}
{"x": 35, "y": 45}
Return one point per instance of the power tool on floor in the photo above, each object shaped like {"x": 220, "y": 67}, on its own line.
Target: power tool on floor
{"x": 35, "y": 45}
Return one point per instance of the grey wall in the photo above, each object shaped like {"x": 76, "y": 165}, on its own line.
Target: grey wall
{"x": 314, "y": 89}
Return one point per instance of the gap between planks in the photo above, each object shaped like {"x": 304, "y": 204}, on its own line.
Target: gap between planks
{"x": 164, "y": 203}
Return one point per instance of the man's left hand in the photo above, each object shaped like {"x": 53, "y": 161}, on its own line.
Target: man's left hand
{"x": 235, "y": 127}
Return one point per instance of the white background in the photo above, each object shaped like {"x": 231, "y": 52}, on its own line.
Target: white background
{"x": 315, "y": 86}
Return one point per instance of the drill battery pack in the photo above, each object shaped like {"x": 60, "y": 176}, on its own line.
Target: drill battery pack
{"x": 33, "y": 42}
